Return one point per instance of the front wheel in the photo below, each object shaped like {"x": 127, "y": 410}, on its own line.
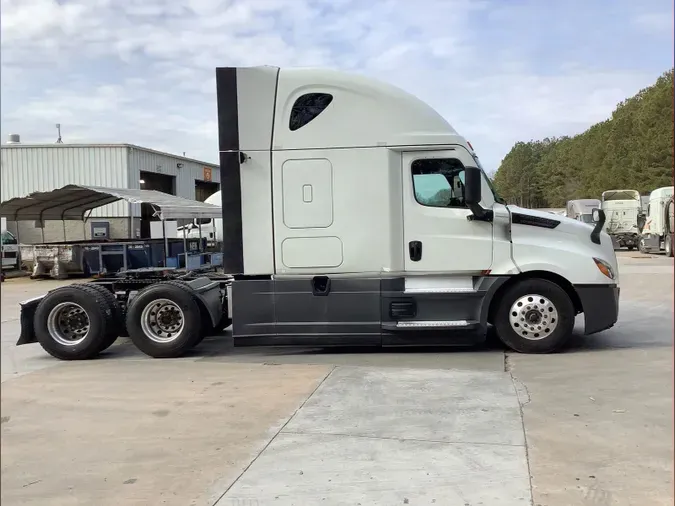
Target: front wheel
{"x": 534, "y": 316}
{"x": 669, "y": 245}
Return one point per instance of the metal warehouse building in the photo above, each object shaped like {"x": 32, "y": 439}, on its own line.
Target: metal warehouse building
{"x": 28, "y": 168}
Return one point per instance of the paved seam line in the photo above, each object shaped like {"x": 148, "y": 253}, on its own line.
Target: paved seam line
{"x": 522, "y": 419}
{"x": 275, "y": 436}
{"x": 403, "y": 439}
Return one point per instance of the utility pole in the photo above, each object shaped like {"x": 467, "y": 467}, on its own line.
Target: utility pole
{"x": 58, "y": 129}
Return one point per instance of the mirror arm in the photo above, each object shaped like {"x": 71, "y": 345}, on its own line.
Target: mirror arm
{"x": 480, "y": 213}
{"x": 595, "y": 234}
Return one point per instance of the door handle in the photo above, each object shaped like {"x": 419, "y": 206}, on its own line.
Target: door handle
{"x": 415, "y": 250}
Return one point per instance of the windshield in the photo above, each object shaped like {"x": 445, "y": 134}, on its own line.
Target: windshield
{"x": 8, "y": 238}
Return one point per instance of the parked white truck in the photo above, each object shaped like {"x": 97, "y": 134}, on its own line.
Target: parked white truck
{"x": 353, "y": 214}
{"x": 582, "y": 209}
{"x": 210, "y": 229}
{"x": 622, "y": 208}
{"x": 657, "y": 232}
{"x": 9, "y": 248}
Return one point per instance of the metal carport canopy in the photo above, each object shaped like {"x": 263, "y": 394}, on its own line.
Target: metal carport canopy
{"x": 72, "y": 202}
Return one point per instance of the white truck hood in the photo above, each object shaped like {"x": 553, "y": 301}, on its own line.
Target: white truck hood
{"x": 566, "y": 249}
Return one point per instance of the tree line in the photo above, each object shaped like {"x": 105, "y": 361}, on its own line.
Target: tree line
{"x": 631, "y": 150}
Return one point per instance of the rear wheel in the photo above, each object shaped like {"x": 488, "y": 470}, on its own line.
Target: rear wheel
{"x": 73, "y": 322}
{"x": 534, "y": 316}
{"x": 117, "y": 329}
{"x": 164, "y": 320}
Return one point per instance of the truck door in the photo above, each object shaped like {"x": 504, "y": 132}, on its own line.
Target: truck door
{"x": 438, "y": 235}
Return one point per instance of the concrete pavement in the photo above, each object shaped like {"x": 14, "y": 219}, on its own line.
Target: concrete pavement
{"x": 128, "y": 433}
{"x": 396, "y": 436}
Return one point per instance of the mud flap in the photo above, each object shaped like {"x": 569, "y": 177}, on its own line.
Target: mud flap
{"x": 28, "y": 308}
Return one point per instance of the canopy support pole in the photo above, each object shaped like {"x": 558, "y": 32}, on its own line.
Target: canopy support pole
{"x": 166, "y": 244}
{"x": 185, "y": 246}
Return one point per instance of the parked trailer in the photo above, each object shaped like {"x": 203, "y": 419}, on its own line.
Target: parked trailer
{"x": 657, "y": 231}
{"x": 353, "y": 214}
{"x": 60, "y": 260}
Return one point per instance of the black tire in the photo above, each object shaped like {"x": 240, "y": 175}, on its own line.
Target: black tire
{"x": 188, "y": 335}
{"x": 630, "y": 248}
{"x": 117, "y": 329}
{"x": 207, "y": 326}
{"x": 564, "y": 321}
{"x": 95, "y": 307}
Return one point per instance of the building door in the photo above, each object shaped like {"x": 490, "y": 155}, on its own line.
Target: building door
{"x": 438, "y": 235}
{"x": 204, "y": 189}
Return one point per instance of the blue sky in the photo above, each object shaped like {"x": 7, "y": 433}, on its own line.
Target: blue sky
{"x": 500, "y": 71}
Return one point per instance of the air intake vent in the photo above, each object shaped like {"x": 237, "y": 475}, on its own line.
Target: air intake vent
{"x": 403, "y": 308}
{"x": 534, "y": 221}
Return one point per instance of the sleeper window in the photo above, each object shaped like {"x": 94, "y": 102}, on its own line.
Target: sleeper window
{"x": 307, "y": 107}
{"x": 438, "y": 182}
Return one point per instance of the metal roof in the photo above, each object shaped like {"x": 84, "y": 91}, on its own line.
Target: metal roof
{"x": 72, "y": 202}
{"x": 106, "y": 145}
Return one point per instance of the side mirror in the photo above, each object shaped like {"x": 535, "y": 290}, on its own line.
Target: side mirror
{"x": 473, "y": 182}
{"x": 598, "y": 217}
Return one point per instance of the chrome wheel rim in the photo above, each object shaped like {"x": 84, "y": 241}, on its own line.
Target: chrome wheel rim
{"x": 162, "y": 320}
{"x": 68, "y": 323}
{"x": 533, "y": 317}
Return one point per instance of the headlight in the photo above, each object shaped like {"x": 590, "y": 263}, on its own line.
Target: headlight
{"x": 604, "y": 267}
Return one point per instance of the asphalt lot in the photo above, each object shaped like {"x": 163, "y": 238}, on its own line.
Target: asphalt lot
{"x": 592, "y": 425}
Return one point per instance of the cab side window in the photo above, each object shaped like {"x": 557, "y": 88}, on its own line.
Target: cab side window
{"x": 438, "y": 182}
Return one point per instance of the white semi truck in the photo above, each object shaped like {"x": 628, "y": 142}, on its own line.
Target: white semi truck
{"x": 657, "y": 232}
{"x": 353, "y": 214}
{"x": 582, "y": 209}
{"x": 622, "y": 208}
{"x": 9, "y": 248}
{"x": 208, "y": 228}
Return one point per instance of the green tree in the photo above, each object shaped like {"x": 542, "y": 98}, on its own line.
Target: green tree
{"x": 633, "y": 149}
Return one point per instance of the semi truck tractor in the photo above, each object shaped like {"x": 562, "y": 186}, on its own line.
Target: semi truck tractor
{"x": 657, "y": 232}
{"x": 582, "y": 209}
{"x": 622, "y": 208}
{"x": 353, "y": 214}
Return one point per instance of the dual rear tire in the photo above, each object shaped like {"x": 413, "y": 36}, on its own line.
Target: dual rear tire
{"x": 165, "y": 320}
{"x": 77, "y": 322}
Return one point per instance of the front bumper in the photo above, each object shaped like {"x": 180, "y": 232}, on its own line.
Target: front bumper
{"x": 600, "y": 304}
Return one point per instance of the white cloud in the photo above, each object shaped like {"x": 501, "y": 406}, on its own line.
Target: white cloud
{"x": 142, "y": 71}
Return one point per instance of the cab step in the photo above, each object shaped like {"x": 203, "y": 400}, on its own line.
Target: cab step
{"x": 416, "y": 325}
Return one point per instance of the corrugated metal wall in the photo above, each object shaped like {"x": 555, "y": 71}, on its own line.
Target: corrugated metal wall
{"x": 28, "y": 169}
{"x": 149, "y": 161}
